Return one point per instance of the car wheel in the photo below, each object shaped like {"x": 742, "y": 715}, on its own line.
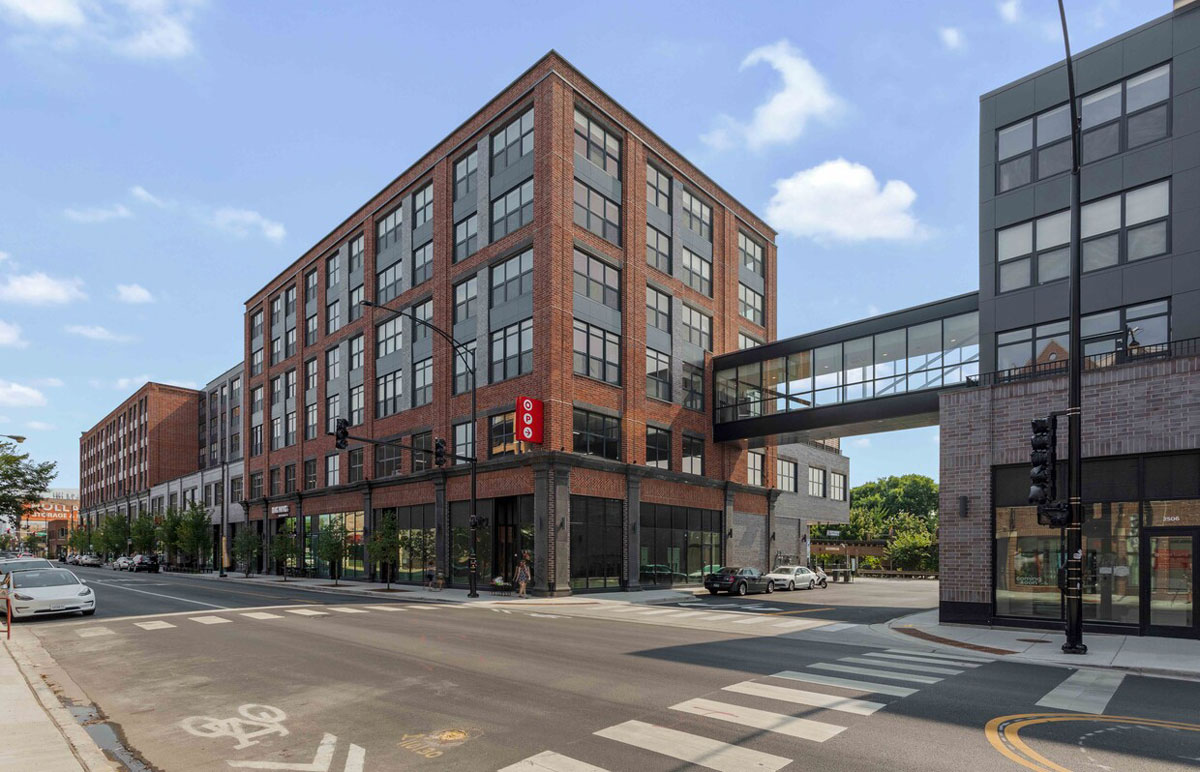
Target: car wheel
{"x": 791, "y": 586}
{"x": 770, "y": 587}
{"x": 811, "y": 584}
{"x": 89, "y": 612}
{"x": 741, "y": 589}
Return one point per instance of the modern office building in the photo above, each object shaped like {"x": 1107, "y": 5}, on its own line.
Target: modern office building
{"x": 983, "y": 364}
{"x": 580, "y": 262}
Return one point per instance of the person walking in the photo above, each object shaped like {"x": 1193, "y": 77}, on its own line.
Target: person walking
{"x": 521, "y": 577}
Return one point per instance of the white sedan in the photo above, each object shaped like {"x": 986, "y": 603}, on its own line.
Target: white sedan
{"x": 791, "y": 577}
{"x": 48, "y": 591}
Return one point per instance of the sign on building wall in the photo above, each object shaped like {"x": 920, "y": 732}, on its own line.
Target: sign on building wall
{"x": 529, "y": 420}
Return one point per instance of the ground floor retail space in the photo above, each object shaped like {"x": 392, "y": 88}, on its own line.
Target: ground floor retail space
{"x": 579, "y": 528}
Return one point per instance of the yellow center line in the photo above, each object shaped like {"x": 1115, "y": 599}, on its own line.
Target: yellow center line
{"x": 1003, "y": 734}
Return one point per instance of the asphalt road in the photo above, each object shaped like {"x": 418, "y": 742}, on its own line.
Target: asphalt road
{"x": 396, "y": 686}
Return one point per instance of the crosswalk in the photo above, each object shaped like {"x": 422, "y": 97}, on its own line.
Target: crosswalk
{"x": 175, "y": 621}
{"x": 756, "y": 621}
{"x": 760, "y": 711}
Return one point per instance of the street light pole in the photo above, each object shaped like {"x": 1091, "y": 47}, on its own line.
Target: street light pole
{"x": 1073, "y": 592}
{"x": 469, "y": 359}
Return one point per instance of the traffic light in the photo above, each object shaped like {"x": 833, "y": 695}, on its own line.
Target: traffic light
{"x": 1041, "y": 459}
{"x": 342, "y": 435}
{"x": 439, "y": 452}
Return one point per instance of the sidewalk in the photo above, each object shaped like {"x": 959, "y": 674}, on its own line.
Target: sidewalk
{"x": 38, "y": 732}
{"x": 1175, "y": 657}
{"x": 410, "y": 592}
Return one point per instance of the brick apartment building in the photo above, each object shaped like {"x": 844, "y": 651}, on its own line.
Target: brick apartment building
{"x": 590, "y": 266}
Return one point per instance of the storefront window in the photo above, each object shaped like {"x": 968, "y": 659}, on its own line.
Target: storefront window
{"x": 1110, "y": 563}
{"x": 1027, "y": 561}
{"x": 460, "y": 543}
{"x": 418, "y": 534}
{"x": 353, "y": 562}
{"x": 595, "y": 542}
{"x": 678, "y": 545}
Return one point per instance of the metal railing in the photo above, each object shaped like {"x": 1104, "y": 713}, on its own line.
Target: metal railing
{"x": 1170, "y": 350}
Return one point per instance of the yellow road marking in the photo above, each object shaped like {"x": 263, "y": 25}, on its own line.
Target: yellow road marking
{"x": 1004, "y": 734}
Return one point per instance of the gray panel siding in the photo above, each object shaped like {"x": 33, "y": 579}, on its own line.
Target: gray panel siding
{"x": 592, "y": 312}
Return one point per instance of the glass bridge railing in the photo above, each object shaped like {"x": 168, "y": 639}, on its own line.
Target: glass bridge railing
{"x": 930, "y": 355}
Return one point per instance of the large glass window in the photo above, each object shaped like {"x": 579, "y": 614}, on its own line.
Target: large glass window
{"x": 387, "y": 229}
{"x": 596, "y": 213}
{"x": 697, "y": 272}
{"x": 422, "y": 263}
{"x": 466, "y": 237}
{"x": 1033, "y": 252}
{"x": 693, "y": 454}
{"x": 595, "y": 434}
{"x": 389, "y": 336}
{"x": 658, "y": 447}
{"x": 512, "y": 210}
{"x": 512, "y": 142}
{"x": 785, "y": 475}
{"x": 697, "y": 215}
{"x": 596, "y": 536}
{"x": 422, "y": 454}
{"x": 463, "y": 364}
{"x": 658, "y": 188}
{"x": 387, "y": 461}
{"x": 751, "y": 253}
{"x": 423, "y": 382}
{"x": 423, "y": 206}
{"x": 512, "y": 278}
{"x": 693, "y": 387}
{"x": 750, "y": 304}
{"x": 658, "y": 249}
{"x": 658, "y": 375}
{"x": 512, "y": 351}
{"x": 388, "y": 283}
{"x": 464, "y": 441}
{"x": 333, "y": 317}
{"x": 422, "y": 312}
{"x": 596, "y": 143}
{"x": 755, "y": 461}
{"x": 698, "y": 327}
{"x": 658, "y": 310}
{"x": 1128, "y": 226}
{"x": 597, "y": 280}
{"x": 418, "y": 540}
{"x": 465, "y": 173}
{"x": 597, "y": 353}
{"x": 333, "y": 364}
{"x": 466, "y": 297}
{"x": 502, "y": 435}
{"x": 816, "y": 482}
{"x": 678, "y": 545}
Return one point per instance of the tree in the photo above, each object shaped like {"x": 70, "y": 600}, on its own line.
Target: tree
{"x": 195, "y": 533}
{"x": 331, "y": 546}
{"x": 77, "y": 541}
{"x": 33, "y": 542}
{"x": 143, "y": 534}
{"x": 114, "y": 534}
{"x": 168, "y": 532}
{"x": 23, "y": 483}
{"x": 912, "y": 551}
{"x": 284, "y": 550}
{"x": 912, "y": 493}
{"x": 384, "y": 546}
{"x": 246, "y": 546}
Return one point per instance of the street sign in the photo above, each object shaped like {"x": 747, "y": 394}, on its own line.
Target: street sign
{"x": 833, "y": 534}
{"x": 529, "y": 420}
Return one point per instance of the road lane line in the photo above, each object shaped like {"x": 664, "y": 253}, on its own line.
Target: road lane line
{"x": 385, "y": 608}
{"x": 261, "y": 615}
{"x": 690, "y": 614}
{"x": 549, "y": 761}
{"x": 1085, "y": 691}
{"x": 305, "y": 612}
{"x": 802, "y": 624}
{"x": 935, "y": 655}
{"x": 751, "y": 621}
{"x": 803, "y": 697}
{"x": 347, "y": 610}
{"x": 92, "y": 632}
{"x": 846, "y": 683}
{"x": 694, "y": 749}
{"x": 923, "y": 660}
{"x": 210, "y": 620}
{"x": 902, "y": 665}
{"x": 157, "y": 594}
{"x": 867, "y": 671}
{"x": 356, "y": 758}
{"x": 802, "y": 728}
{"x": 156, "y": 625}
{"x": 836, "y": 627}
{"x": 653, "y": 612}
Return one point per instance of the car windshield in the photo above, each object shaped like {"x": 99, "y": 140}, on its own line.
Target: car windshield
{"x": 53, "y": 577}
{"x": 23, "y": 565}
{"x": 727, "y": 571}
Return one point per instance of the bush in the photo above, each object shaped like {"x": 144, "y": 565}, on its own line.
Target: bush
{"x": 912, "y": 551}
{"x": 870, "y": 563}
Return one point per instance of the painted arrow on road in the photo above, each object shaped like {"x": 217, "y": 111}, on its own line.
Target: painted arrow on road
{"x": 320, "y": 763}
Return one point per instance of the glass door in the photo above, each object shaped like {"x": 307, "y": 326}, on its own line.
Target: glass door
{"x": 1169, "y": 580}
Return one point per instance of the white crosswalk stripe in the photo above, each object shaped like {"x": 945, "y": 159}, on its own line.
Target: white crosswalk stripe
{"x": 837, "y": 627}
{"x": 305, "y": 612}
{"x": 944, "y": 655}
{"x": 93, "y": 632}
{"x": 657, "y": 611}
{"x": 1085, "y": 691}
{"x": 549, "y": 761}
{"x": 694, "y": 749}
{"x": 802, "y": 728}
{"x": 385, "y": 608}
{"x": 867, "y": 671}
{"x": 902, "y": 665}
{"x": 346, "y": 609}
{"x": 908, "y": 658}
{"x": 804, "y": 697}
{"x": 802, "y": 624}
{"x": 157, "y": 624}
{"x": 847, "y": 683}
{"x": 210, "y": 620}
{"x": 751, "y": 621}
{"x": 261, "y": 615}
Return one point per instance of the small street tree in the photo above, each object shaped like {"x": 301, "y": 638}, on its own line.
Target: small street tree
{"x": 195, "y": 534}
{"x": 33, "y": 542}
{"x": 114, "y": 534}
{"x": 23, "y": 483}
{"x": 143, "y": 534}
{"x": 284, "y": 550}
{"x": 168, "y": 533}
{"x": 246, "y": 547}
{"x": 331, "y": 546}
{"x": 79, "y": 541}
{"x": 384, "y": 547}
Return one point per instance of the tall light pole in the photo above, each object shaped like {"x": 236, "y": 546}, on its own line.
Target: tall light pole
{"x": 1073, "y": 593}
{"x": 468, "y": 358}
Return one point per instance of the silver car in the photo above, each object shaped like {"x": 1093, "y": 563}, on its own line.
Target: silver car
{"x": 792, "y": 577}
{"x": 48, "y": 591}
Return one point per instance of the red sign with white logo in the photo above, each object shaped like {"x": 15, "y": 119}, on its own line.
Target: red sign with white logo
{"x": 529, "y": 419}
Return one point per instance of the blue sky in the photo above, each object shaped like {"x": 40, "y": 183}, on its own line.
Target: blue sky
{"x": 161, "y": 159}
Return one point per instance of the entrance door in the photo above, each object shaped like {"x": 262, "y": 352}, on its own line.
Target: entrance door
{"x": 505, "y": 532}
{"x": 1169, "y": 575}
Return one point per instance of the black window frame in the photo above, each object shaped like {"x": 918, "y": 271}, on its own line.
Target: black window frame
{"x": 658, "y": 447}
{"x": 657, "y": 363}
{"x": 515, "y": 140}
{"x": 422, "y": 204}
{"x": 747, "y": 308}
{"x": 423, "y": 382}
{"x": 389, "y": 391}
{"x": 387, "y": 229}
{"x": 587, "y": 284}
{"x": 697, "y": 335}
{"x": 590, "y": 363}
{"x": 466, "y": 237}
{"x": 422, "y": 263}
{"x": 696, "y": 273}
{"x": 655, "y": 190}
{"x": 586, "y": 440}
{"x": 697, "y": 215}
{"x": 693, "y": 448}
{"x": 499, "y": 355}
{"x": 510, "y": 288}
{"x": 587, "y": 217}
{"x": 585, "y": 125}
{"x": 693, "y": 387}
{"x": 656, "y": 257}
{"x": 466, "y": 174}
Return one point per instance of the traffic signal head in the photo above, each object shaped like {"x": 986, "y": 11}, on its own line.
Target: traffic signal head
{"x": 439, "y": 452}
{"x": 342, "y": 435}
{"x": 1042, "y": 461}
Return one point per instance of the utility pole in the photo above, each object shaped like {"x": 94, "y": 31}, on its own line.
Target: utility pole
{"x": 1073, "y": 592}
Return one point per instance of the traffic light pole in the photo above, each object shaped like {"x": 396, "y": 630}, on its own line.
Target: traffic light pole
{"x": 1073, "y": 593}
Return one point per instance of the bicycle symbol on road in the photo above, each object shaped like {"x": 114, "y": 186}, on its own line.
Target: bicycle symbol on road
{"x": 255, "y": 721}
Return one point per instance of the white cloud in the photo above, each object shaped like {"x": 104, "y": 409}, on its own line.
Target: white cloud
{"x": 1009, "y": 10}
{"x": 138, "y": 29}
{"x": 40, "y": 426}
{"x": 96, "y": 332}
{"x": 38, "y": 289}
{"x": 3, "y": 256}
{"x": 860, "y": 442}
{"x": 241, "y": 222}
{"x": 16, "y": 395}
{"x": 133, "y": 293}
{"x": 99, "y": 214}
{"x": 10, "y": 335}
{"x": 782, "y": 118}
{"x": 146, "y": 197}
{"x": 952, "y": 38}
{"x": 843, "y": 201}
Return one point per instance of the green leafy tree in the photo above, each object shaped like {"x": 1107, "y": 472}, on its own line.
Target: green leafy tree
{"x": 168, "y": 533}
{"x": 284, "y": 551}
{"x": 7, "y": 541}
{"x": 331, "y": 546}
{"x": 384, "y": 546}
{"x": 195, "y": 534}
{"x": 79, "y": 541}
{"x": 913, "y": 494}
{"x": 912, "y": 551}
{"x": 114, "y": 534}
{"x": 143, "y": 534}
{"x": 23, "y": 483}
{"x": 246, "y": 547}
{"x": 33, "y": 542}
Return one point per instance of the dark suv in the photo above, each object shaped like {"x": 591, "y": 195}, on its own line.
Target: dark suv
{"x": 738, "y": 581}
{"x": 144, "y": 563}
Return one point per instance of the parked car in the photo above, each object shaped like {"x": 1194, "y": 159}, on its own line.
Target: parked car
{"x": 72, "y": 559}
{"x": 793, "y": 577}
{"x": 144, "y": 563}
{"x": 89, "y": 560}
{"x": 121, "y": 563}
{"x": 49, "y": 591}
{"x": 23, "y": 564}
{"x": 738, "y": 581}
